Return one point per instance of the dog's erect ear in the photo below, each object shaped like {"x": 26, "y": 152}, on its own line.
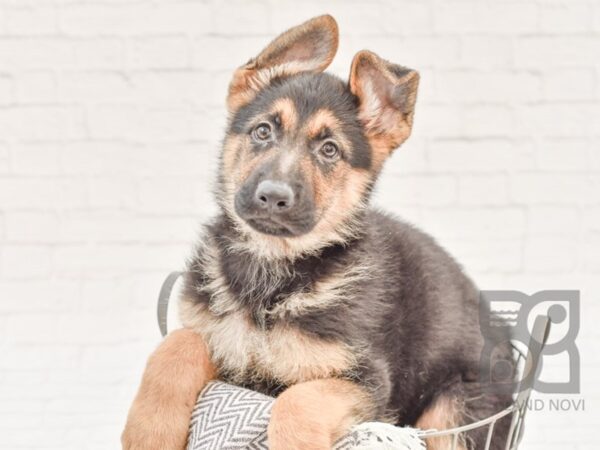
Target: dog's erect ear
{"x": 309, "y": 47}
{"x": 387, "y": 93}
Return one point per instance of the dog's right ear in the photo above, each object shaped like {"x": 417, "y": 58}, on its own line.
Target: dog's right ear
{"x": 309, "y": 47}
{"x": 387, "y": 94}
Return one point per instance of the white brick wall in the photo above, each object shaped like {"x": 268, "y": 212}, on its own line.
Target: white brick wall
{"x": 111, "y": 113}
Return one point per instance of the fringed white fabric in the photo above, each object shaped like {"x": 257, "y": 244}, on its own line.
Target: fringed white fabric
{"x": 383, "y": 436}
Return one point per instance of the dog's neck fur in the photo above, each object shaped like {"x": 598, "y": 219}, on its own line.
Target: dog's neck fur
{"x": 234, "y": 277}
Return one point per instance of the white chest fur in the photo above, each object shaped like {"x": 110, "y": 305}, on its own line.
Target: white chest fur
{"x": 283, "y": 354}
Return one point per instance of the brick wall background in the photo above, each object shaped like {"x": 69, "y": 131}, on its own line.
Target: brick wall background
{"x": 111, "y": 113}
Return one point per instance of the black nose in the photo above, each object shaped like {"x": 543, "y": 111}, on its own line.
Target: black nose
{"x": 274, "y": 196}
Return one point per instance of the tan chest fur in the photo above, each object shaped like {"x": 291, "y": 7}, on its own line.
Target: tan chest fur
{"x": 283, "y": 354}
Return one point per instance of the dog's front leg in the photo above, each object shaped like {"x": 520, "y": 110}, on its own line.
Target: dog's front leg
{"x": 176, "y": 372}
{"x": 314, "y": 414}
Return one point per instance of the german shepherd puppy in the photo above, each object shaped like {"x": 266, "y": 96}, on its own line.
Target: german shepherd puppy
{"x": 298, "y": 289}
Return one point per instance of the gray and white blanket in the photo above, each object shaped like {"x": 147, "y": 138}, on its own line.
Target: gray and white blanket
{"x": 228, "y": 417}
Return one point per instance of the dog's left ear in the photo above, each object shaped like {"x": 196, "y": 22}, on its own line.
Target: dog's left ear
{"x": 387, "y": 94}
{"x": 309, "y": 47}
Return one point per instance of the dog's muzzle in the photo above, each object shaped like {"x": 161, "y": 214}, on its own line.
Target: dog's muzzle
{"x": 275, "y": 207}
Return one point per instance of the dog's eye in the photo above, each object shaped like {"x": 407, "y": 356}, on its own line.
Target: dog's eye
{"x": 329, "y": 150}
{"x": 262, "y": 132}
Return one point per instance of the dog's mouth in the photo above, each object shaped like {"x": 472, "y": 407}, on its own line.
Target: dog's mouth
{"x": 267, "y": 225}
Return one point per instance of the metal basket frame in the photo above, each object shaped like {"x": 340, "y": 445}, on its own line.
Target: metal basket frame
{"x": 527, "y": 363}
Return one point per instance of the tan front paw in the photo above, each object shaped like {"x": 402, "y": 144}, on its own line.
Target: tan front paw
{"x": 153, "y": 428}
{"x": 295, "y": 425}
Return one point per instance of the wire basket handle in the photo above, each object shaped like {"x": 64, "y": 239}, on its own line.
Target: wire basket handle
{"x": 537, "y": 342}
{"x": 162, "y": 307}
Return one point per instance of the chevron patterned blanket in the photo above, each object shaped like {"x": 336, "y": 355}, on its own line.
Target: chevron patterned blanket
{"x": 228, "y": 417}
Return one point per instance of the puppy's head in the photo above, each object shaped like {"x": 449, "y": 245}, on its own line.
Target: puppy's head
{"x": 303, "y": 148}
